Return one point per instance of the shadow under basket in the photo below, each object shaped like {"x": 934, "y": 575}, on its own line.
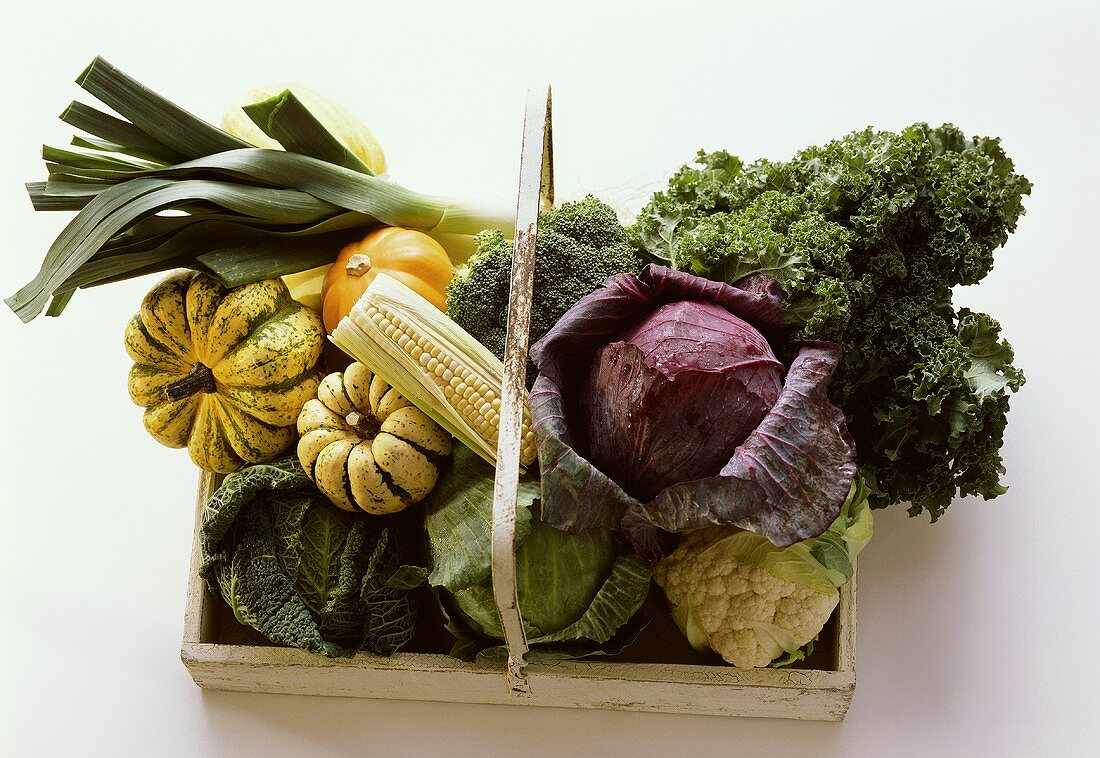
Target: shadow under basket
{"x": 659, "y": 672}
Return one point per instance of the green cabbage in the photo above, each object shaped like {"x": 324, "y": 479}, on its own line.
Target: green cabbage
{"x": 576, "y": 593}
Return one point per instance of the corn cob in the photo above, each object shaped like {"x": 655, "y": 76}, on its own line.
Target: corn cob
{"x": 431, "y": 361}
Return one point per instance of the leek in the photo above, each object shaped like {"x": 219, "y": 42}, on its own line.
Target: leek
{"x": 160, "y": 189}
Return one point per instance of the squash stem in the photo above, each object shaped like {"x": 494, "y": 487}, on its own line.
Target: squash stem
{"x": 364, "y": 425}
{"x": 201, "y": 379}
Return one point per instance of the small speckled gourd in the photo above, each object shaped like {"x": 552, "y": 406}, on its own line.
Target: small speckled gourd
{"x": 366, "y": 446}
{"x": 223, "y": 372}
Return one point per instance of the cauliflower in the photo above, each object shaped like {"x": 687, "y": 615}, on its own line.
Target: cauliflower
{"x": 736, "y": 593}
{"x": 742, "y": 611}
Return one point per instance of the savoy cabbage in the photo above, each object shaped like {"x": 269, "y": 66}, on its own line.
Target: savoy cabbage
{"x": 301, "y": 571}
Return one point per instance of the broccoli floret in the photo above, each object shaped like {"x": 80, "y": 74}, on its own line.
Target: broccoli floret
{"x": 867, "y": 235}
{"x": 579, "y": 246}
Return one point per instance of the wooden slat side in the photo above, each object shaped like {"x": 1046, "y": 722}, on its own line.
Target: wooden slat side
{"x": 418, "y": 677}
{"x": 592, "y": 671}
{"x": 846, "y": 627}
{"x": 546, "y": 184}
{"x": 194, "y": 628}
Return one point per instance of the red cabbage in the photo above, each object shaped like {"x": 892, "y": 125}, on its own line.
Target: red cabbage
{"x": 658, "y": 409}
{"x": 673, "y": 399}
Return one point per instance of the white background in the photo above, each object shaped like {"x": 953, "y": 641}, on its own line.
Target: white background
{"x": 977, "y": 635}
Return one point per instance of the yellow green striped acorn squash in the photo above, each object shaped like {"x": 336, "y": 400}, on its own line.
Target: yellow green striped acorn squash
{"x": 223, "y": 372}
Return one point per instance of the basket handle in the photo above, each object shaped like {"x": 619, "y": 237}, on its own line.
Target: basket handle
{"x": 536, "y": 190}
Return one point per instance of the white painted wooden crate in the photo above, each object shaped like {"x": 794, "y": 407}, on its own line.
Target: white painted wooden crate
{"x": 222, "y": 655}
{"x": 659, "y": 672}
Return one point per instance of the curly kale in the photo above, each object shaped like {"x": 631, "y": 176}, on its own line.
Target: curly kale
{"x": 579, "y": 246}
{"x": 867, "y": 235}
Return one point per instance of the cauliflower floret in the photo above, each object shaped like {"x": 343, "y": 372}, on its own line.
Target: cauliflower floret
{"x": 735, "y": 593}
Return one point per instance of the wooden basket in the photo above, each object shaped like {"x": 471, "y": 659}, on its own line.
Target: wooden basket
{"x": 659, "y": 672}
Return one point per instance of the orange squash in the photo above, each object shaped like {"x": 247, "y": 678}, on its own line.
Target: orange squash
{"x": 413, "y": 258}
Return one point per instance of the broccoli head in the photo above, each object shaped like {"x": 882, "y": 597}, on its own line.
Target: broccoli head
{"x": 579, "y": 246}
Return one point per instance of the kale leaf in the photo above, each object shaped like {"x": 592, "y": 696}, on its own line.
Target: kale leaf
{"x": 867, "y": 235}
